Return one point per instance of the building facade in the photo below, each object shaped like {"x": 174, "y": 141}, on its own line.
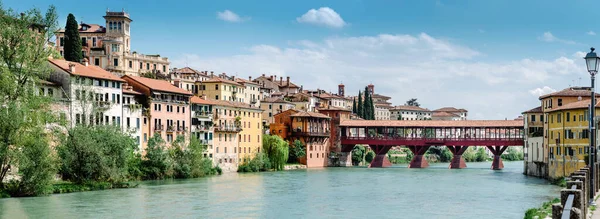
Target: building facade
{"x": 110, "y": 48}
{"x": 167, "y": 109}
{"x": 132, "y": 114}
{"x": 449, "y": 113}
{"x": 410, "y": 113}
{"x": 534, "y": 152}
{"x": 202, "y": 122}
{"x": 272, "y": 106}
{"x": 186, "y": 78}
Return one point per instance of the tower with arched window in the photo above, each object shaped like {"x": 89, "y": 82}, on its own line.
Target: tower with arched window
{"x": 117, "y": 39}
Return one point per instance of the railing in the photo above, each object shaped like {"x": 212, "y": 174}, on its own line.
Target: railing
{"x": 296, "y": 133}
{"x": 182, "y": 129}
{"x": 202, "y": 127}
{"x": 203, "y": 114}
{"x": 159, "y": 127}
{"x": 170, "y": 128}
{"x": 103, "y": 104}
{"x": 228, "y": 128}
{"x": 432, "y": 138}
{"x": 566, "y": 214}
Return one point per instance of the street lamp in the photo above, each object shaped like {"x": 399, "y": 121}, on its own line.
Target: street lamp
{"x": 592, "y": 60}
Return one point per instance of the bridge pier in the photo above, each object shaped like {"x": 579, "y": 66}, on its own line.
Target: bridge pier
{"x": 381, "y": 159}
{"x": 458, "y": 162}
{"x": 418, "y": 160}
{"x": 346, "y": 156}
{"x": 497, "y": 151}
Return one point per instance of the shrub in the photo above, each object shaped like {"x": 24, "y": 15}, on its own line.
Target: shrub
{"x": 156, "y": 163}
{"x": 369, "y": 156}
{"x": 358, "y": 153}
{"x": 259, "y": 163}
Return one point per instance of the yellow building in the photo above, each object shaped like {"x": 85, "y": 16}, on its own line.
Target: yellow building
{"x": 568, "y": 138}
{"x": 551, "y": 102}
{"x": 237, "y": 133}
{"x": 272, "y": 106}
{"x": 217, "y": 88}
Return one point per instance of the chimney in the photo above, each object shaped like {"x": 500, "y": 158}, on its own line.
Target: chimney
{"x": 203, "y": 96}
{"x": 212, "y": 73}
{"x": 85, "y": 62}
{"x": 71, "y": 67}
{"x": 288, "y": 81}
{"x": 271, "y": 77}
{"x": 341, "y": 90}
{"x": 233, "y": 78}
{"x": 250, "y": 78}
{"x": 280, "y": 80}
{"x": 263, "y": 75}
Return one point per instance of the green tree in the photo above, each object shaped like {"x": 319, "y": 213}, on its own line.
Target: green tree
{"x": 367, "y": 104}
{"x": 358, "y": 154}
{"x": 369, "y": 156}
{"x": 297, "y": 150}
{"x": 96, "y": 154}
{"x": 23, "y": 63}
{"x": 156, "y": 163}
{"x": 412, "y": 102}
{"x": 480, "y": 156}
{"x": 372, "y": 108}
{"x": 72, "y": 44}
{"x": 37, "y": 165}
{"x": 354, "y": 105}
{"x": 276, "y": 150}
{"x": 360, "y": 106}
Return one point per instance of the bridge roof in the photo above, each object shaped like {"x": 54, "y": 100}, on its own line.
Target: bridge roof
{"x": 434, "y": 123}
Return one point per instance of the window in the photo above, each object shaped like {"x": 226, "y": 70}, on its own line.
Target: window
{"x": 216, "y": 88}
{"x": 130, "y": 64}
{"x": 270, "y": 106}
{"x": 216, "y": 97}
{"x": 141, "y": 65}
{"x": 114, "y": 47}
{"x": 164, "y": 68}
{"x": 559, "y": 118}
{"x": 83, "y": 41}
{"x": 118, "y": 99}
{"x": 145, "y": 137}
{"x": 93, "y": 41}
{"x": 96, "y": 61}
{"x": 559, "y": 102}
{"x": 113, "y": 98}
{"x": 62, "y": 42}
{"x": 541, "y": 118}
{"x": 116, "y": 62}
{"x": 533, "y": 118}
{"x": 145, "y": 121}
{"x": 183, "y": 109}
{"x": 127, "y": 122}
{"x": 154, "y": 67}
{"x": 568, "y": 116}
{"x": 148, "y": 66}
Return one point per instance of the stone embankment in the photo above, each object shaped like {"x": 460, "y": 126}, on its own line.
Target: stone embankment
{"x": 578, "y": 188}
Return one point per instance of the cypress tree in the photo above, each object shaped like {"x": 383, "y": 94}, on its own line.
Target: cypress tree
{"x": 354, "y": 105}
{"x": 72, "y": 44}
{"x": 367, "y": 106}
{"x": 372, "y": 107}
{"x": 359, "y": 107}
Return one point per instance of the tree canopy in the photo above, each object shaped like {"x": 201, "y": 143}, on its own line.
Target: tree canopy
{"x": 72, "y": 44}
{"x": 412, "y": 102}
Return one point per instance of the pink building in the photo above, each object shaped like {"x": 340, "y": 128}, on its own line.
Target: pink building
{"x": 167, "y": 108}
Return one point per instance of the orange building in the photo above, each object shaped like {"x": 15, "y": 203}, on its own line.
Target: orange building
{"x": 312, "y": 129}
{"x": 337, "y": 115}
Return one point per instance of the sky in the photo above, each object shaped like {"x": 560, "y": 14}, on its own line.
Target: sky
{"x": 493, "y": 58}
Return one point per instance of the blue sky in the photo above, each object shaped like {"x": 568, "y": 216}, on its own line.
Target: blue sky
{"x": 490, "y": 57}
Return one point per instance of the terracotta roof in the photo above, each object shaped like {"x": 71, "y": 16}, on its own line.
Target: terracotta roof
{"x": 310, "y": 114}
{"x": 188, "y": 70}
{"x": 126, "y": 91}
{"x": 91, "y": 28}
{"x": 234, "y": 104}
{"x": 432, "y": 123}
{"x": 570, "y": 92}
{"x": 158, "y": 85}
{"x": 244, "y": 81}
{"x": 381, "y": 96}
{"x": 450, "y": 109}
{"x": 333, "y": 108}
{"x": 220, "y": 80}
{"x": 443, "y": 114}
{"x": 292, "y": 85}
{"x": 198, "y": 100}
{"x": 583, "y": 104}
{"x": 410, "y": 108}
{"x": 274, "y": 100}
{"x": 85, "y": 71}
{"x": 534, "y": 110}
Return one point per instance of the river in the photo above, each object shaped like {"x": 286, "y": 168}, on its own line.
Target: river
{"x": 353, "y": 192}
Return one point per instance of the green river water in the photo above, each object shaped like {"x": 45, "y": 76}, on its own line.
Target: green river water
{"x": 353, "y": 192}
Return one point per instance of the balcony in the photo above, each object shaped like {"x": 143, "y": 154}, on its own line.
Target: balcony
{"x": 310, "y": 133}
{"x": 182, "y": 129}
{"x": 159, "y": 128}
{"x": 103, "y": 105}
{"x": 170, "y": 128}
{"x": 228, "y": 128}
{"x": 202, "y": 128}
{"x": 535, "y": 124}
{"x": 202, "y": 114}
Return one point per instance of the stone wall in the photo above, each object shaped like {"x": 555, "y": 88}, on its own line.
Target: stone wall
{"x": 537, "y": 169}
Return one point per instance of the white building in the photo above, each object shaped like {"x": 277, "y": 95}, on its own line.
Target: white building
{"x": 95, "y": 93}
{"x": 449, "y": 113}
{"x": 132, "y": 114}
{"x": 251, "y": 92}
{"x": 382, "y": 112}
{"x": 186, "y": 78}
{"x": 410, "y": 113}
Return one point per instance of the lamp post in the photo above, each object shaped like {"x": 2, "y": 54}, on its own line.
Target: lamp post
{"x": 592, "y": 60}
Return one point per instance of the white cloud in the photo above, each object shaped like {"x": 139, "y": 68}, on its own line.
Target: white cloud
{"x": 438, "y": 72}
{"x": 324, "y": 16}
{"x": 591, "y": 33}
{"x": 230, "y": 16}
{"x": 541, "y": 91}
{"x": 548, "y": 37}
